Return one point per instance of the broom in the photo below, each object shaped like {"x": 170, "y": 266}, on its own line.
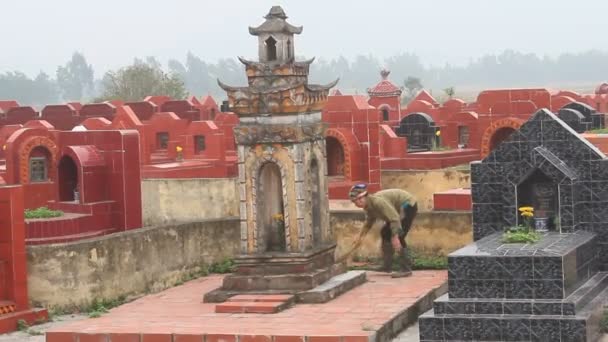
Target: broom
{"x": 345, "y": 256}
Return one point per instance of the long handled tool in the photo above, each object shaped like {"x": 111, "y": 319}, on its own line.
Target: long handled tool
{"x": 345, "y": 256}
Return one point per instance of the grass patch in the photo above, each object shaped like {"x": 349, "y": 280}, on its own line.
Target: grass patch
{"x": 431, "y": 263}
{"x": 22, "y": 325}
{"x": 222, "y": 267}
{"x": 42, "y": 212}
{"x": 419, "y": 262}
{"x": 225, "y": 266}
{"x": 520, "y": 235}
{"x": 99, "y": 307}
{"x": 599, "y": 131}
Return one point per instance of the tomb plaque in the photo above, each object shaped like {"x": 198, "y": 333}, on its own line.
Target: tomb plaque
{"x": 545, "y": 196}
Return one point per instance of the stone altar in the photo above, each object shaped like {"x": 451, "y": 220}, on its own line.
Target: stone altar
{"x": 286, "y": 243}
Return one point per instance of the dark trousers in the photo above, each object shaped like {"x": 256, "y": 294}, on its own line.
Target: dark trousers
{"x": 386, "y": 233}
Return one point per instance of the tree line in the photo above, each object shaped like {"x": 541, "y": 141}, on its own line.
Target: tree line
{"x": 76, "y": 80}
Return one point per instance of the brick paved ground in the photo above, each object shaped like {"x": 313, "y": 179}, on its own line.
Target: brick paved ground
{"x": 180, "y": 313}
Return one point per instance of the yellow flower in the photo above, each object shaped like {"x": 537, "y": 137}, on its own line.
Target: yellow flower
{"x": 438, "y": 133}
{"x": 178, "y": 148}
{"x": 526, "y": 209}
{"x": 527, "y": 214}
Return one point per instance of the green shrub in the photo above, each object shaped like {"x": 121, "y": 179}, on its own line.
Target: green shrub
{"x": 520, "y": 235}
{"x": 99, "y": 307}
{"x": 225, "y": 266}
{"x": 42, "y": 212}
{"x": 22, "y": 325}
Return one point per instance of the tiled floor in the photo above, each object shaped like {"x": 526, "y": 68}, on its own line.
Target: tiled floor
{"x": 179, "y": 312}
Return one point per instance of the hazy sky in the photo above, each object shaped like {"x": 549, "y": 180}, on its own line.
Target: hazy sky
{"x": 40, "y": 35}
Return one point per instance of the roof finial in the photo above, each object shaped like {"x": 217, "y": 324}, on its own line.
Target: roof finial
{"x": 276, "y": 12}
{"x": 384, "y": 73}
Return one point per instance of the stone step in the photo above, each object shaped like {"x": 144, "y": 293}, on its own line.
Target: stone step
{"x": 262, "y": 304}
{"x": 487, "y": 306}
{"x": 261, "y": 298}
{"x": 292, "y": 282}
{"x": 584, "y": 326}
{"x": 589, "y": 290}
{"x": 332, "y": 288}
{"x": 500, "y": 328}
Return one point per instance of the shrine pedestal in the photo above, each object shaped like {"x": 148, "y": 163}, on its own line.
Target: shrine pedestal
{"x": 287, "y": 273}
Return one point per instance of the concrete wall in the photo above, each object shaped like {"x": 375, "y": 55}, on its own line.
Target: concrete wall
{"x": 167, "y": 201}
{"x": 432, "y": 234}
{"x": 151, "y": 259}
{"x": 132, "y": 262}
{"x": 425, "y": 183}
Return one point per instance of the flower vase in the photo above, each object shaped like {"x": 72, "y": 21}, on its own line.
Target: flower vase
{"x": 541, "y": 224}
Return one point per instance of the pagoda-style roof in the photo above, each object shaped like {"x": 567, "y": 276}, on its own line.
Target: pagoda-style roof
{"x": 277, "y": 83}
{"x": 385, "y": 87}
{"x": 275, "y": 23}
{"x": 303, "y": 63}
{"x": 276, "y": 89}
{"x": 324, "y": 87}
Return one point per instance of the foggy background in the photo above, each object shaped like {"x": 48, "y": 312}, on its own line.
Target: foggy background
{"x": 468, "y": 44}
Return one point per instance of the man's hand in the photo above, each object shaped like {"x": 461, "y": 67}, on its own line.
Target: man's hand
{"x": 396, "y": 243}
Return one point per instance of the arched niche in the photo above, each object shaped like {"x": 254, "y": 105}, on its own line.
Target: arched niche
{"x": 270, "y": 214}
{"x": 335, "y": 157}
{"x": 67, "y": 179}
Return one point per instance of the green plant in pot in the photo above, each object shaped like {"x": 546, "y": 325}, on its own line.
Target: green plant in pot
{"x": 523, "y": 233}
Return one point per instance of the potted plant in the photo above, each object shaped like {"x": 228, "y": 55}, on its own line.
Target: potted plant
{"x": 522, "y": 233}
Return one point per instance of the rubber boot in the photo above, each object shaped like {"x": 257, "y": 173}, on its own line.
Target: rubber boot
{"x": 405, "y": 265}
{"x": 387, "y": 258}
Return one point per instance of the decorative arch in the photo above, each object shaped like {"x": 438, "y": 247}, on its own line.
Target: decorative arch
{"x": 347, "y": 148}
{"x": 271, "y": 49}
{"x": 268, "y": 158}
{"x": 488, "y": 134}
{"x": 385, "y": 110}
{"x": 335, "y": 155}
{"x": 26, "y": 149}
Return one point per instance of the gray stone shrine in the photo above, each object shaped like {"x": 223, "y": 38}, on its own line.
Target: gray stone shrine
{"x": 551, "y": 290}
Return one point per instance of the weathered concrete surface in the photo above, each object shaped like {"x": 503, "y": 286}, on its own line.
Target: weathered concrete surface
{"x": 128, "y": 263}
{"x": 432, "y": 234}
{"x": 167, "y": 201}
{"x": 425, "y": 183}
{"x": 151, "y": 259}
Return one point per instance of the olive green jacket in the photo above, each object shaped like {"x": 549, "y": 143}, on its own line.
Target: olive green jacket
{"x": 386, "y": 205}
